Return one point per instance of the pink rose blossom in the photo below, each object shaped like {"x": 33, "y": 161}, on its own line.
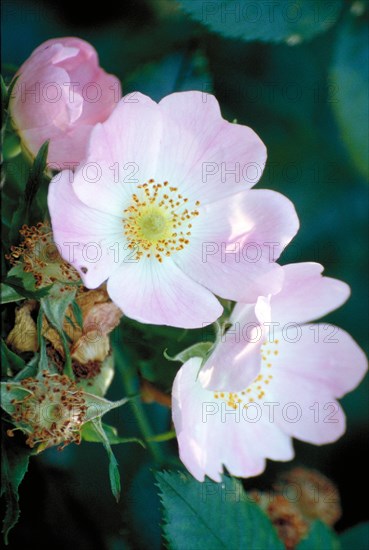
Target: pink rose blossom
{"x": 163, "y": 211}
{"x": 60, "y": 94}
{"x": 293, "y": 394}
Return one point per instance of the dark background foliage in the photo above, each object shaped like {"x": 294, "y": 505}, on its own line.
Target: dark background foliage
{"x": 304, "y": 102}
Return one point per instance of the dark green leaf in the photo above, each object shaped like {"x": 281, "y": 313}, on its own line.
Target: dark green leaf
{"x": 320, "y": 537}
{"x": 9, "y": 294}
{"x": 11, "y": 146}
{"x": 349, "y": 76}
{"x": 30, "y": 370}
{"x": 212, "y": 515}
{"x": 179, "y": 71}
{"x": 147, "y": 343}
{"x": 14, "y": 465}
{"x": 10, "y": 90}
{"x": 285, "y": 20}
{"x": 77, "y": 312}
{"x": 356, "y": 537}
{"x": 43, "y": 361}
{"x": 10, "y": 360}
{"x": 36, "y": 175}
{"x": 6, "y": 92}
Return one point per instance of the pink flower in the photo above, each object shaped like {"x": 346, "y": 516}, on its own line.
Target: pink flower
{"x": 60, "y": 95}
{"x": 302, "y": 371}
{"x": 162, "y": 210}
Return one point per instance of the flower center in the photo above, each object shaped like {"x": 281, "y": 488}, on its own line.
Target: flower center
{"x": 158, "y": 222}
{"x": 257, "y": 389}
{"x": 154, "y": 225}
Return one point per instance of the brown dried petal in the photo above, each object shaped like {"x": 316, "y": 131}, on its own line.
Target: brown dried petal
{"x": 23, "y": 337}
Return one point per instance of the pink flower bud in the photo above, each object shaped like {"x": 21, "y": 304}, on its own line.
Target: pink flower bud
{"x": 61, "y": 93}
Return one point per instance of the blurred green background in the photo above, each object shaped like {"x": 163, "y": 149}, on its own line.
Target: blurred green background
{"x": 308, "y": 103}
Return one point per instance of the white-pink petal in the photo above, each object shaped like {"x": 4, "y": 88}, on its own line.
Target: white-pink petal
{"x": 236, "y": 359}
{"x": 86, "y": 238}
{"x": 306, "y": 294}
{"x": 324, "y": 355}
{"x": 307, "y": 413}
{"x": 161, "y": 294}
{"x": 235, "y": 242}
{"x": 212, "y": 436}
{"x": 208, "y": 157}
{"x": 124, "y": 151}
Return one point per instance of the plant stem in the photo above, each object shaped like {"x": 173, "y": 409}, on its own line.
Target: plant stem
{"x": 131, "y": 385}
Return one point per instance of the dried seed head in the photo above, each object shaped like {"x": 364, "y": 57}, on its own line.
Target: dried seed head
{"x": 39, "y": 255}
{"x": 52, "y": 412}
{"x": 285, "y": 516}
{"x": 318, "y": 496}
{"x": 288, "y": 521}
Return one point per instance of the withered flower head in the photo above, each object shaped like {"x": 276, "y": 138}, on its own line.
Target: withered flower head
{"x": 39, "y": 255}
{"x": 318, "y": 496}
{"x": 51, "y": 411}
{"x": 288, "y": 521}
{"x": 301, "y": 496}
{"x": 286, "y": 517}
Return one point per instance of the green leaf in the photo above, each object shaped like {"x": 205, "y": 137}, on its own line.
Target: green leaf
{"x": 97, "y": 427}
{"x": 11, "y": 146}
{"x": 201, "y": 349}
{"x": 9, "y": 294}
{"x": 11, "y": 393}
{"x": 89, "y": 434}
{"x": 43, "y": 360}
{"x": 8, "y": 90}
{"x": 36, "y": 175}
{"x": 349, "y": 79}
{"x": 10, "y": 361}
{"x": 178, "y": 71}
{"x": 77, "y": 312}
{"x": 356, "y": 537}
{"x": 55, "y": 305}
{"x": 212, "y": 515}
{"x": 30, "y": 370}
{"x": 14, "y": 465}
{"x": 24, "y": 283}
{"x": 286, "y": 20}
{"x": 320, "y": 537}
{"x": 98, "y": 406}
